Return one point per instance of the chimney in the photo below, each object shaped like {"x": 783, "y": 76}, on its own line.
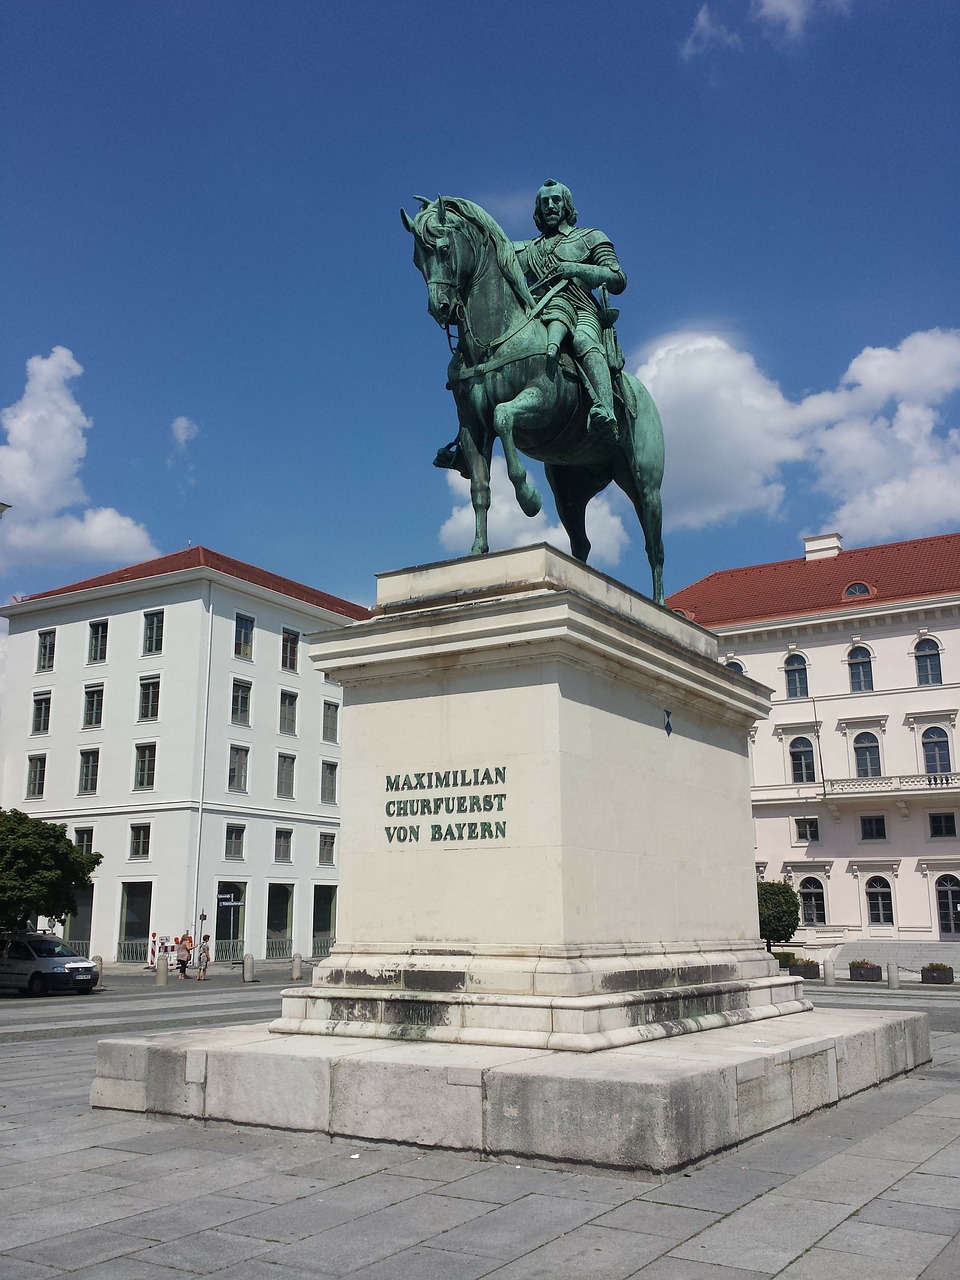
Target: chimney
{"x": 822, "y": 546}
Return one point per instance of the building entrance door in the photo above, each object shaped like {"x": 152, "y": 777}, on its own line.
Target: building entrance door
{"x": 324, "y": 918}
{"x": 135, "y": 903}
{"x": 231, "y": 904}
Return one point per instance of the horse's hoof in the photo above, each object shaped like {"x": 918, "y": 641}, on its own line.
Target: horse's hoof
{"x": 530, "y": 501}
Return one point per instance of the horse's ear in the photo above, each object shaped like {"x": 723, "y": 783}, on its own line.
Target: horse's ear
{"x": 441, "y": 210}
{"x": 405, "y": 219}
{"x": 424, "y": 202}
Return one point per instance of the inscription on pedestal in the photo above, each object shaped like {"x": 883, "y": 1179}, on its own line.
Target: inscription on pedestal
{"x": 466, "y": 792}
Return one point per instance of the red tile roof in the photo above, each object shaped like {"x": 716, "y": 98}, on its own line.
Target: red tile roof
{"x": 203, "y": 557}
{"x": 896, "y": 571}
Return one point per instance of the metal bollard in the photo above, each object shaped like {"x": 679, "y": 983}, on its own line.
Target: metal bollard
{"x": 296, "y": 969}
{"x": 248, "y": 967}
{"x": 893, "y": 977}
{"x": 163, "y": 969}
{"x": 829, "y": 974}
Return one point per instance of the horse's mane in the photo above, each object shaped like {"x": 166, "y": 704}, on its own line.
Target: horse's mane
{"x": 472, "y": 213}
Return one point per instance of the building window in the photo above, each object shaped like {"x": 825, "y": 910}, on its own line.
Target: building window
{"x": 943, "y": 825}
{"x": 243, "y": 637}
{"x": 796, "y": 672}
{"x": 89, "y": 771}
{"x": 813, "y": 908}
{"x": 936, "y": 750}
{"x": 325, "y": 858}
{"x": 46, "y": 648}
{"x": 83, "y": 839}
{"x": 331, "y": 718}
{"x": 233, "y": 846}
{"x": 153, "y": 631}
{"x": 240, "y": 702}
{"x": 948, "y": 905}
{"x": 36, "y": 776}
{"x": 857, "y": 589}
{"x": 97, "y": 650}
{"x": 145, "y": 767}
{"x": 283, "y": 845}
{"x": 737, "y": 667}
{"x": 237, "y": 771}
{"x": 328, "y": 782}
{"x": 150, "y": 698}
{"x": 879, "y": 900}
{"x": 808, "y": 830}
{"x": 861, "y": 669}
{"x": 93, "y": 706}
{"x": 927, "y": 655}
{"x": 286, "y": 766}
{"x": 866, "y": 750}
{"x": 801, "y": 760}
{"x": 140, "y": 840}
{"x": 288, "y": 711}
{"x": 289, "y": 649}
{"x": 41, "y": 713}
{"x": 873, "y": 827}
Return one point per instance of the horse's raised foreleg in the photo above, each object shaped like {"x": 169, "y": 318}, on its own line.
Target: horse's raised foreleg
{"x": 528, "y": 405}
{"x": 477, "y": 460}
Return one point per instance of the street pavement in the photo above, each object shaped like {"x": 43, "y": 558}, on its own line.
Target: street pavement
{"x": 867, "y": 1190}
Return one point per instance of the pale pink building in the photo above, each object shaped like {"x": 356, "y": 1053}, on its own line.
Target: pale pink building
{"x": 856, "y": 780}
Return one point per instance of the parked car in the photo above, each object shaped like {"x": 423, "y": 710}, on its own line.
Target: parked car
{"x": 36, "y": 963}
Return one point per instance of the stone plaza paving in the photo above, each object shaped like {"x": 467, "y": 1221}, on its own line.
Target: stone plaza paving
{"x": 870, "y": 1188}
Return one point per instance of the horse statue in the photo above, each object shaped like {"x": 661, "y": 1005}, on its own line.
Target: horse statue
{"x": 505, "y": 385}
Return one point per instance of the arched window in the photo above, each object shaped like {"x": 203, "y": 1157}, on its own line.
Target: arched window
{"x": 879, "y": 900}
{"x": 936, "y": 750}
{"x": 796, "y": 669}
{"x": 733, "y": 665}
{"x": 948, "y": 905}
{"x": 866, "y": 749}
{"x": 927, "y": 654}
{"x": 861, "y": 669}
{"x": 857, "y": 589}
{"x": 801, "y": 760}
{"x": 813, "y": 908}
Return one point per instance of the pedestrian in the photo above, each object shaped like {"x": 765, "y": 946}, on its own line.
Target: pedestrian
{"x": 183, "y": 955}
{"x": 203, "y": 958}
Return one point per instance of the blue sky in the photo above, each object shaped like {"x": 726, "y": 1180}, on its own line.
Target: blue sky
{"x": 228, "y": 343}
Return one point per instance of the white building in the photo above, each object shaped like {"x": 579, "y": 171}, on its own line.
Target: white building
{"x": 856, "y": 790}
{"x": 168, "y": 713}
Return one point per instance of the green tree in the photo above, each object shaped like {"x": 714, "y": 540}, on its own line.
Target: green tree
{"x": 40, "y": 869}
{"x": 779, "y": 907}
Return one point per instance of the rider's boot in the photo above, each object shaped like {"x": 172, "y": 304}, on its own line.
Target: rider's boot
{"x": 602, "y": 417}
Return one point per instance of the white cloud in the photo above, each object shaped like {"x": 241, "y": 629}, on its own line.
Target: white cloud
{"x": 788, "y": 19}
{"x": 39, "y": 477}
{"x": 876, "y": 445}
{"x": 183, "y": 431}
{"x": 507, "y": 526}
{"x": 708, "y": 33}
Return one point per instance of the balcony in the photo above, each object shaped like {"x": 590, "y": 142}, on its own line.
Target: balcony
{"x": 899, "y": 784}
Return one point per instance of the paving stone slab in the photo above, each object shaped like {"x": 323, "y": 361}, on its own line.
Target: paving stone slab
{"x": 722, "y": 1187}
{"x": 379, "y": 1235}
{"x": 669, "y": 1221}
{"x": 765, "y": 1235}
{"x": 514, "y": 1229}
{"x": 423, "y": 1262}
{"x": 441, "y": 1165}
{"x": 684, "y": 1269}
{"x": 15, "y": 1269}
{"x": 276, "y": 1188}
{"x": 586, "y": 1253}
{"x": 77, "y": 1249}
{"x": 927, "y": 1188}
{"x": 174, "y": 1221}
{"x": 202, "y": 1252}
{"x": 826, "y": 1264}
{"x": 301, "y": 1218}
{"x": 896, "y": 1244}
{"x": 502, "y": 1183}
{"x": 946, "y": 1161}
{"x": 846, "y": 1179}
{"x": 946, "y": 1266}
{"x": 914, "y": 1217}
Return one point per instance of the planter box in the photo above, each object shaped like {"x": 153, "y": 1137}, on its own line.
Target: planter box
{"x": 939, "y": 977}
{"x": 866, "y": 973}
{"x": 806, "y": 969}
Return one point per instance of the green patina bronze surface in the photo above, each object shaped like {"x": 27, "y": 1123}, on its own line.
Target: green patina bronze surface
{"x": 537, "y": 363}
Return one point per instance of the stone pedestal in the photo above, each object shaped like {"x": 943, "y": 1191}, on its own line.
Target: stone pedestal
{"x": 547, "y": 837}
{"x": 547, "y": 879}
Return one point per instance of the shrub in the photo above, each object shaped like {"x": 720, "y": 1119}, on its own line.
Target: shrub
{"x": 779, "y": 907}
